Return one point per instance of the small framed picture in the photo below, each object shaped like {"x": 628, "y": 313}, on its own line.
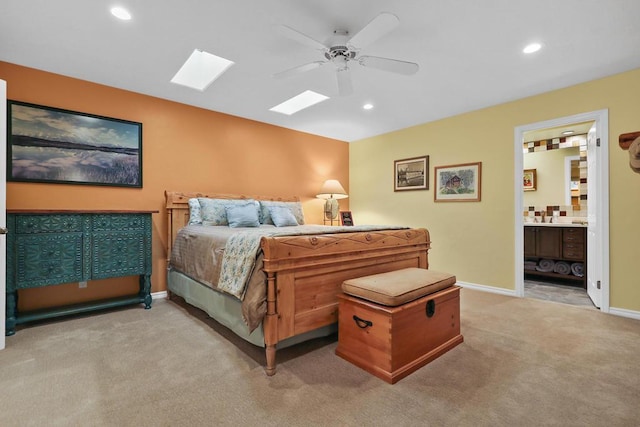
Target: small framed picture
{"x": 411, "y": 174}
{"x": 346, "y": 218}
{"x": 529, "y": 180}
{"x": 458, "y": 183}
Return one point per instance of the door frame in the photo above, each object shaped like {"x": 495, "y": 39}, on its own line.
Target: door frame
{"x": 3, "y": 205}
{"x": 601, "y": 175}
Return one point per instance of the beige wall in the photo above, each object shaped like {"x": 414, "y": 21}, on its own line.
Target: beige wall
{"x": 475, "y": 241}
{"x": 184, "y": 149}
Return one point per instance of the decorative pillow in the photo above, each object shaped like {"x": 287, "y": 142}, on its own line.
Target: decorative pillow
{"x": 242, "y": 215}
{"x": 195, "y": 215}
{"x": 282, "y": 216}
{"x": 213, "y": 210}
{"x": 294, "y": 207}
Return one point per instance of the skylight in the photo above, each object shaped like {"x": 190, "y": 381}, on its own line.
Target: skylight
{"x": 299, "y": 102}
{"x": 533, "y": 47}
{"x": 121, "y": 13}
{"x": 200, "y": 70}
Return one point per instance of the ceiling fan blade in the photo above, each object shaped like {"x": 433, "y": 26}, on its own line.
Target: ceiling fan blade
{"x": 345, "y": 86}
{"x": 378, "y": 27}
{"x": 299, "y": 37}
{"x": 299, "y": 69}
{"x": 392, "y": 65}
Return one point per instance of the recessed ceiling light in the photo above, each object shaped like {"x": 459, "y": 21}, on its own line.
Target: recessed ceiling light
{"x": 299, "y": 102}
{"x": 200, "y": 70}
{"x": 533, "y": 47}
{"x": 367, "y": 106}
{"x": 567, "y": 132}
{"x": 121, "y": 13}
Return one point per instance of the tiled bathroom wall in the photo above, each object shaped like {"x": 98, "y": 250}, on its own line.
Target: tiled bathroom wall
{"x": 554, "y": 211}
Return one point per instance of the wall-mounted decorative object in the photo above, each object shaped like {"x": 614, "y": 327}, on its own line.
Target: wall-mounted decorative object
{"x": 529, "y": 180}
{"x": 346, "y": 218}
{"x": 634, "y": 155}
{"x": 626, "y": 139}
{"x": 458, "y": 183}
{"x": 411, "y": 174}
{"x": 52, "y": 145}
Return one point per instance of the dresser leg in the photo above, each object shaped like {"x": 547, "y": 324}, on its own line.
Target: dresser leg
{"x": 10, "y": 321}
{"x": 145, "y": 290}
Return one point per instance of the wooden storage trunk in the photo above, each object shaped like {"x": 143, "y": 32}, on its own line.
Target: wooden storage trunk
{"x": 392, "y": 342}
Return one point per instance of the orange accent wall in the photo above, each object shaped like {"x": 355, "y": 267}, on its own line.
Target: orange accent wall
{"x": 184, "y": 149}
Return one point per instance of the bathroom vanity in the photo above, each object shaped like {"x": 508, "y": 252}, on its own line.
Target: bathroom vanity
{"x": 556, "y": 242}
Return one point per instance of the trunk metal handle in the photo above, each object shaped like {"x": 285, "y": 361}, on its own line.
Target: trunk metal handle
{"x": 362, "y": 324}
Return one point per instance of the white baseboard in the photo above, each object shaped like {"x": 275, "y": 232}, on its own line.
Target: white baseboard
{"x": 159, "y": 295}
{"x": 485, "y": 288}
{"x": 612, "y": 310}
{"x": 624, "y": 313}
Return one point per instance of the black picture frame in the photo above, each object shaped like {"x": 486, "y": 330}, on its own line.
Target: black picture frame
{"x": 53, "y": 145}
{"x": 346, "y": 218}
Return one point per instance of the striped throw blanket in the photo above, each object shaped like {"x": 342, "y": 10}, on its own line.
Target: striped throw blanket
{"x": 242, "y": 248}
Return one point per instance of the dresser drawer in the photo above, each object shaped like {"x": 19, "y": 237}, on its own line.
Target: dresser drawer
{"x": 574, "y": 254}
{"x": 108, "y": 222}
{"x": 118, "y": 254}
{"x": 575, "y": 235}
{"x": 29, "y": 224}
{"x": 49, "y": 258}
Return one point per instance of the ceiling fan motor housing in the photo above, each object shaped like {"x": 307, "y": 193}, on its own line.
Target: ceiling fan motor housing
{"x": 339, "y": 51}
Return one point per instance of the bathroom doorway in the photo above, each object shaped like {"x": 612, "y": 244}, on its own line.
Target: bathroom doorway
{"x": 591, "y": 204}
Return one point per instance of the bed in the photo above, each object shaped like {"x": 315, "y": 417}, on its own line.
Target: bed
{"x": 297, "y": 276}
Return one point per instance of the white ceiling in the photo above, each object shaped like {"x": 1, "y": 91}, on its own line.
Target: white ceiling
{"x": 469, "y": 51}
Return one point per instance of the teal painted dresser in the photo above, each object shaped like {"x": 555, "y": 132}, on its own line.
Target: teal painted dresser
{"x": 46, "y": 248}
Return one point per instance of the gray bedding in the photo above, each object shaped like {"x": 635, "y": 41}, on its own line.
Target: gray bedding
{"x": 229, "y": 260}
{"x": 198, "y": 253}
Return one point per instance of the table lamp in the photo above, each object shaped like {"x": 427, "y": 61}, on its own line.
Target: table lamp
{"x": 331, "y": 190}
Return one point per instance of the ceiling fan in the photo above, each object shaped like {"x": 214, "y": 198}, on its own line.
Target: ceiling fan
{"x": 344, "y": 49}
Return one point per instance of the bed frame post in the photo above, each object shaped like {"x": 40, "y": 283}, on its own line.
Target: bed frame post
{"x": 270, "y": 325}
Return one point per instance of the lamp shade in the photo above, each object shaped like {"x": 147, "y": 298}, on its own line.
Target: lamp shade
{"x": 332, "y": 189}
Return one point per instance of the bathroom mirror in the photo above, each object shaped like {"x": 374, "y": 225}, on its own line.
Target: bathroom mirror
{"x": 572, "y": 180}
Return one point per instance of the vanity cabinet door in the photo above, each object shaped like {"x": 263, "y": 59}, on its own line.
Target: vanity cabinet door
{"x": 530, "y": 241}
{"x": 548, "y": 242}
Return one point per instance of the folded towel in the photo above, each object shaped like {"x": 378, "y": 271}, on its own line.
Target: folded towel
{"x": 634, "y": 155}
{"x": 546, "y": 265}
{"x": 577, "y": 268}
{"x": 530, "y": 265}
{"x": 562, "y": 267}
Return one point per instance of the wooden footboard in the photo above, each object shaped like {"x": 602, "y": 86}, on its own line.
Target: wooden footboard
{"x": 305, "y": 273}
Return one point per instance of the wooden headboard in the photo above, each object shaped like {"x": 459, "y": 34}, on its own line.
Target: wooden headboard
{"x": 177, "y": 204}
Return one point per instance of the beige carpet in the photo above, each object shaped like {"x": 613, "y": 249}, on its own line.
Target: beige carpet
{"x": 524, "y": 362}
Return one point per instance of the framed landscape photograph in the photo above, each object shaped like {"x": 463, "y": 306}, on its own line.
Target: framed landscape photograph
{"x": 51, "y": 145}
{"x": 529, "y": 180}
{"x": 458, "y": 183}
{"x": 411, "y": 174}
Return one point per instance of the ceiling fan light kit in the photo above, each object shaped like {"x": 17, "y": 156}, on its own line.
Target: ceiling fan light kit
{"x": 342, "y": 51}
